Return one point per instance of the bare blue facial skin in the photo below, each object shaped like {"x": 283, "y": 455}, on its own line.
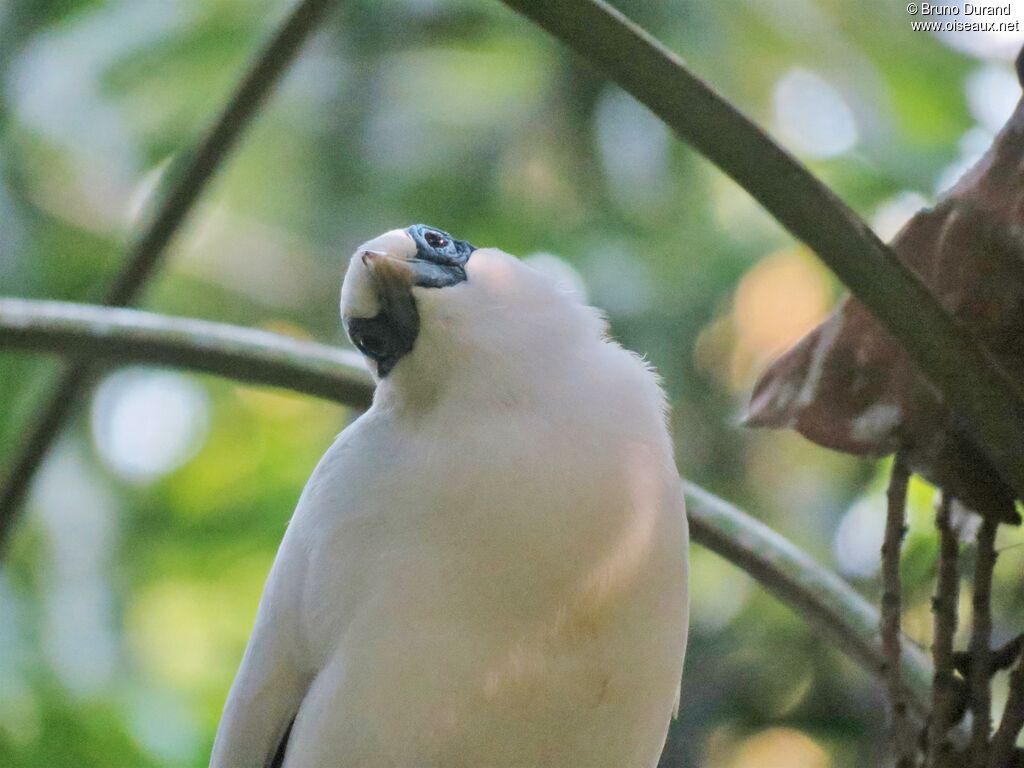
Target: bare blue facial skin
{"x": 391, "y": 334}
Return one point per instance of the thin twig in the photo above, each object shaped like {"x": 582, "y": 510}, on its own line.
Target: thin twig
{"x": 944, "y": 606}
{"x": 1003, "y": 657}
{"x": 828, "y": 603}
{"x": 146, "y": 254}
{"x": 1005, "y": 738}
{"x": 895, "y": 529}
{"x": 991, "y": 401}
{"x": 979, "y": 679}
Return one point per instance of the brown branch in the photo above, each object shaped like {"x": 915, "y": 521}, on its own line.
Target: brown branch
{"x": 111, "y": 336}
{"x": 990, "y": 401}
{"x": 944, "y": 606}
{"x": 895, "y": 530}
{"x": 146, "y": 254}
{"x": 1005, "y": 738}
{"x": 979, "y": 678}
{"x": 1000, "y": 659}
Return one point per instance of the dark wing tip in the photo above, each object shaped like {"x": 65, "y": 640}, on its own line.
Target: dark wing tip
{"x": 278, "y": 760}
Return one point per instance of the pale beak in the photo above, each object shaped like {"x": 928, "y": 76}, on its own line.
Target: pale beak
{"x": 394, "y": 279}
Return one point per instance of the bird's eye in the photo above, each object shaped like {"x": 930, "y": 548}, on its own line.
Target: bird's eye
{"x": 435, "y": 240}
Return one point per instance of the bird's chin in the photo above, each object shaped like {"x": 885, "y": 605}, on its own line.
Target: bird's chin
{"x": 381, "y": 340}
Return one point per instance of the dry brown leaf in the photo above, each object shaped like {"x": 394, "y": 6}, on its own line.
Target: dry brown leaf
{"x": 848, "y": 385}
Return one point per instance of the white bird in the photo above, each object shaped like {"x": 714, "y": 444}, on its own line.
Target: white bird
{"x": 489, "y": 567}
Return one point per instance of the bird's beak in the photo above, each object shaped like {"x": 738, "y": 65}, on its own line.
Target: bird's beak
{"x": 394, "y": 279}
{"x": 391, "y": 333}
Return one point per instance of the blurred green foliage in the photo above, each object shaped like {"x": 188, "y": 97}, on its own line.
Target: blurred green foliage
{"x": 133, "y": 579}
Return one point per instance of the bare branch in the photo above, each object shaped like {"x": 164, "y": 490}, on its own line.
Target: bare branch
{"x": 892, "y": 545}
{"x": 146, "y": 254}
{"x": 1010, "y": 726}
{"x": 1000, "y": 659}
{"x": 944, "y": 606}
{"x": 991, "y": 402}
{"x": 979, "y": 676}
{"x": 828, "y": 604}
{"x": 112, "y": 336}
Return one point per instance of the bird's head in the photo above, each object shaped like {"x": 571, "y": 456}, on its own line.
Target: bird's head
{"x": 423, "y": 306}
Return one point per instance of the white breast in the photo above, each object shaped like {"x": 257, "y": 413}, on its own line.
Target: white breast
{"x": 493, "y": 589}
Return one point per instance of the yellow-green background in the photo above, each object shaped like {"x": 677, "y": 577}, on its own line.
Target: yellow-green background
{"x": 132, "y": 581}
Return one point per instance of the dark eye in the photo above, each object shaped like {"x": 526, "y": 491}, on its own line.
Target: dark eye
{"x": 435, "y": 240}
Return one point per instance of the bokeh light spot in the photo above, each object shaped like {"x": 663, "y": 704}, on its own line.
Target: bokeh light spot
{"x": 633, "y": 146}
{"x": 859, "y": 537}
{"x": 892, "y": 214}
{"x": 148, "y": 423}
{"x": 812, "y": 116}
{"x": 779, "y": 300}
{"x": 983, "y": 44}
{"x": 992, "y": 93}
{"x": 780, "y": 748}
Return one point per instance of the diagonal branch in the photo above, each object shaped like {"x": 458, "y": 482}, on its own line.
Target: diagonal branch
{"x": 991, "y": 402}
{"x": 827, "y": 603}
{"x": 109, "y": 336}
{"x": 269, "y": 65}
{"x": 820, "y": 597}
{"x": 146, "y": 254}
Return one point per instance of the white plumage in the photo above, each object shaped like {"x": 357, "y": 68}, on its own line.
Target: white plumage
{"x": 488, "y": 568}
